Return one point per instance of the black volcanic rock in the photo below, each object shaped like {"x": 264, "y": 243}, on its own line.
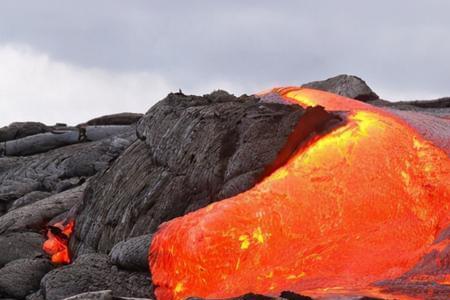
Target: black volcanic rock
{"x": 34, "y": 217}
{"x": 192, "y": 151}
{"x": 41, "y": 188}
{"x": 293, "y": 296}
{"x": 98, "y": 295}
{"x": 29, "y": 199}
{"x": 44, "y": 142}
{"x": 345, "y": 85}
{"x": 22, "y": 277}
{"x": 116, "y": 119}
{"x": 20, "y": 245}
{"x": 35, "y": 296}
{"x": 94, "y": 272}
{"x": 46, "y": 171}
{"x": 19, "y": 130}
{"x": 101, "y": 295}
{"x": 132, "y": 254}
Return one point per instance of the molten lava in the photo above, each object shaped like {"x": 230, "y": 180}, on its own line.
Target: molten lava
{"x": 360, "y": 204}
{"x": 57, "y": 243}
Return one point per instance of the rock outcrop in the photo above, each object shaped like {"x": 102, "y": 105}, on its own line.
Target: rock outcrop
{"x": 59, "y": 169}
{"x": 19, "y": 130}
{"x": 22, "y": 277}
{"x": 116, "y": 119}
{"x": 191, "y": 152}
{"x": 132, "y": 254}
{"x": 34, "y": 217}
{"x": 44, "y": 142}
{"x": 94, "y": 272}
{"x": 19, "y": 245}
{"x": 345, "y": 85}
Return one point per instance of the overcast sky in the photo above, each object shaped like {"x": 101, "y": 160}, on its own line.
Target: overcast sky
{"x": 68, "y": 61}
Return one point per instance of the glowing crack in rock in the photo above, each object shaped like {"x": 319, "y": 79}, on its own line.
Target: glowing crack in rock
{"x": 361, "y": 203}
{"x": 57, "y": 241}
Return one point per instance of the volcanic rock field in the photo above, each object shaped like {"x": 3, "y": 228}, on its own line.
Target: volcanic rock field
{"x": 119, "y": 177}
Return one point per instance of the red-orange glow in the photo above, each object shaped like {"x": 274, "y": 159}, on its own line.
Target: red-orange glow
{"x": 57, "y": 241}
{"x": 362, "y": 203}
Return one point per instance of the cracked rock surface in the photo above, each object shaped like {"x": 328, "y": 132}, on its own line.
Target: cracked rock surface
{"x": 94, "y": 272}
{"x": 191, "y": 152}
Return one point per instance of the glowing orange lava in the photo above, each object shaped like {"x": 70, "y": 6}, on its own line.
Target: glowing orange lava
{"x": 362, "y": 203}
{"x": 57, "y": 242}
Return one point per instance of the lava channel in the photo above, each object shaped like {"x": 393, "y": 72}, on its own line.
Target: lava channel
{"x": 362, "y": 203}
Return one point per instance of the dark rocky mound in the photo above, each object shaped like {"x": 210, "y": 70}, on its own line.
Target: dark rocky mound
{"x": 345, "y": 85}
{"x": 22, "y": 277}
{"x": 191, "y": 152}
{"x": 132, "y": 254}
{"x": 94, "y": 272}
{"x": 19, "y": 130}
{"x": 18, "y": 245}
{"x": 116, "y": 119}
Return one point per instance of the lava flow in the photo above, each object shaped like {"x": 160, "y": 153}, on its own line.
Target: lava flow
{"x": 360, "y": 204}
{"x": 57, "y": 243}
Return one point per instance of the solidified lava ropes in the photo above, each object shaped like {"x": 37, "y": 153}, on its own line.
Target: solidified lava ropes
{"x": 361, "y": 203}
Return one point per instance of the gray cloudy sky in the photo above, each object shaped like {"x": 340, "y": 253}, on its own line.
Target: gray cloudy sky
{"x": 68, "y": 61}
